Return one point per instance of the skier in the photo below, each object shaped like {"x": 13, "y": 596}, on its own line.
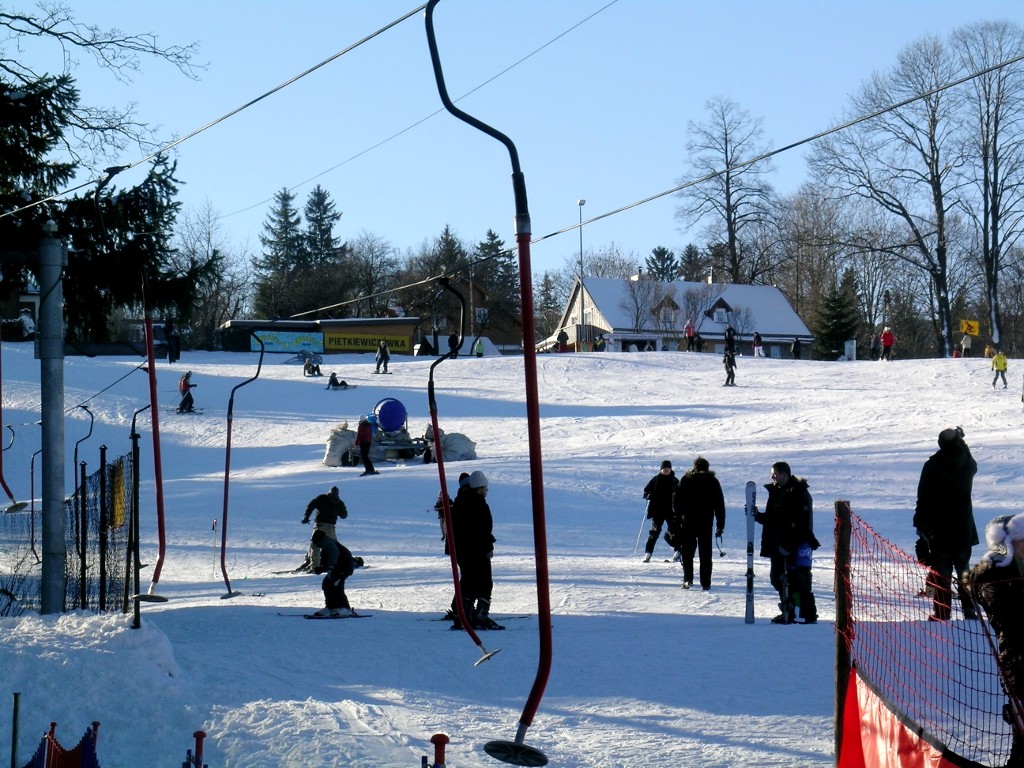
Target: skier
{"x": 888, "y": 340}
{"x": 329, "y": 507}
{"x": 337, "y": 563}
{"x": 382, "y": 356}
{"x": 658, "y": 493}
{"x": 729, "y": 359}
{"x": 689, "y": 331}
{"x": 997, "y": 583}
{"x": 999, "y": 366}
{"x": 944, "y": 518}
{"x": 364, "y": 439}
{"x": 787, "y": 527}
{"x": 185, "y": 386}
{"x": 473, "y": 525}
{"x": 698, "y": 505}
{"x": 758, "y": 346}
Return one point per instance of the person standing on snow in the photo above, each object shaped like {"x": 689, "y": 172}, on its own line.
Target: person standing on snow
{"x": 689, "y": 331}
{"x": 364, "y": 441}
{"x": 329, "y": 507}
{"x": 382, "y": 357}
{"x": 965, "y": 345}
{"x": 338, "y": 564}
{"x": 888, "y": 340}
{"x": 698, "y": 507}
{"x": 472, "y": 525}
{"x": 758, "y": 345}
{"x": 185, "y": 386}
{"x": 997, "y": 582}
{"x": 999, "y": 366}
{"x": 729, "y": 360}
{"x": 658, "y": 493}
{"x": 787, "y": 539}
{"x": 944, "y": 518}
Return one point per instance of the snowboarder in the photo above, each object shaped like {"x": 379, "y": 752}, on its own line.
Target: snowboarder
{"x": 382, "y": 356}
{"x": 944, "y": 518}
{"x": 729, "y": 359}
{"x": 309, "y": 368}
{"x": 364, "y": 440}
{"x": 658, "y": 493}
{"x": 698, "y": 506}
{"x": 997, "y": 583}
{"x": 473, "y": 525}
{"x": 329, "y": 507}
{"x": 185, "y": 386}
{"x": 337, "y": 563}
{"x": 787, "y": 528}
{"x": 999, "y": 366}
{"x": 333, "y": 382}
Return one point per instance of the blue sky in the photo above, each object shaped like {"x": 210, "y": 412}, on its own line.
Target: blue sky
{"x": 600, "y": 113}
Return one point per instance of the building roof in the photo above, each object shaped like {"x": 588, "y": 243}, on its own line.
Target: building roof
{"x": 771, "y": 312}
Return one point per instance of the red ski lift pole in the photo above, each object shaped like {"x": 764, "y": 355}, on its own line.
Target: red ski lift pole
{"x": 227, "y": 472}
{"x": 517, "y": 752}
{"x": 449, "y": 531}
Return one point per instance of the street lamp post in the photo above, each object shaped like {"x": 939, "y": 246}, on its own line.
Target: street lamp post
{"x": 581, "y": 336}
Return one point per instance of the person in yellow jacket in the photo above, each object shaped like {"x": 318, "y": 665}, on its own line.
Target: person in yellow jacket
{"x": 999, "y": 366}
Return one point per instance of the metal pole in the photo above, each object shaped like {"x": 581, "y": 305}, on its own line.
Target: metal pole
{"x": 583, "y": 328}
{"x": 50, "y": 335}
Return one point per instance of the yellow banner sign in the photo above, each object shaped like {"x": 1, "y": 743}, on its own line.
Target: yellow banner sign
{"x": 359, "y": 342}
{"x": 970, "y": 327}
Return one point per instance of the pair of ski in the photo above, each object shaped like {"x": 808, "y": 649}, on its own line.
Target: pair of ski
{"x": 327, "y": 618}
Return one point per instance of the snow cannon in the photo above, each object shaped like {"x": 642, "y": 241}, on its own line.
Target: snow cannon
{"x": 391, "y": 415}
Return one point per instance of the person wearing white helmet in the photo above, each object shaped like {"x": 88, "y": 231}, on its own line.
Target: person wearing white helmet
{"x": 472, "y": 525}
{"x": 997, "y": 582}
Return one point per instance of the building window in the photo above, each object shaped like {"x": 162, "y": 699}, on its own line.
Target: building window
{"x": 721, "y": 316}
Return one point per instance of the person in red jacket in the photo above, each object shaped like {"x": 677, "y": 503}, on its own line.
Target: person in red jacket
{"x": 364, "y": 439}
{"x": 887, "y": 339}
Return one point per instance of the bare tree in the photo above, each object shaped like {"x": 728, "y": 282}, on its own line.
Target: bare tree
{"x": 993, "y": 130}
{"x": 94, "y": 133}
{"x": 733, "y": 195}
{"x": 640, "y": 301}
{"x": 904, "y": 161}
{"x": 697, "y": 301}
{"x": 375, "y": 265}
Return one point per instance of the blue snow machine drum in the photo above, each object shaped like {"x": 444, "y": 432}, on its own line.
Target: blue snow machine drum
{"x": 391, "y": 414}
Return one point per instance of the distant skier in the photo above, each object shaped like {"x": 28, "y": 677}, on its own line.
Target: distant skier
{"x": 796, "y": 348}
{"x": 888, "y": 339}
{"x": 729, "y": 360}
{"x": 658, "y": 493}
{"x": 999, "y": 366}
{"x": 758, "y": 345}
{"x": 364, "y": 441}
{"x": 185, "y": 386}
{"x": 730, "y": 339}
{"x": 689, "y": 331}
{"x": 382, "y": 356}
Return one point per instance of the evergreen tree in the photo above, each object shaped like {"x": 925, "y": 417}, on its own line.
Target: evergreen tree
{"x": 662, "y": 265}
{"x": 497, "y": 270}
{"x": 692, "y": 266}
{"x": 547, "y": 307}
{"x": 283, "y": 251}
{"x": 838, "y": 319}
{"x": 322, "y": 247}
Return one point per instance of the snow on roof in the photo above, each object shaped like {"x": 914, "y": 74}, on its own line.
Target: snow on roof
{"x": 772, "y": 314}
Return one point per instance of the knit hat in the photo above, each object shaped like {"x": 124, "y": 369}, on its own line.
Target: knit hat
{"x": 478, "y": 480}
{"x": 701, "y": 464}
{"x": 463, "y": 479}
{"x": 949, "y": 436}
{"x": 999, "y": 534}
{"x": 666, "y": 464}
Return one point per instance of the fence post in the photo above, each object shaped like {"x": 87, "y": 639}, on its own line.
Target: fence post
{"x": 844, "y": 622}
{"x": 104, "y": 519}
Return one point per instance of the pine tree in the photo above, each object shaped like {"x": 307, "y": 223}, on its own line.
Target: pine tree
{"x": 662, "y": 265}
{"x": 692, "y": 266}
{"x": 322, "y": 247}
{"x": 838, "y": 319}
{"x": 283, "y": 251}
{"x": 496, "y": 268}
{"x": 548, "y": 307}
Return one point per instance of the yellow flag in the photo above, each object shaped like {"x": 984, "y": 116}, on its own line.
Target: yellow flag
{"x": 970, "y": 327}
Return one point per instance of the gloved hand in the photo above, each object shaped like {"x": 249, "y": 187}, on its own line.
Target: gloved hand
{"x": 719, "y": 532}
{"x": 926, "y": 534}
{"x": 305, "y": 520}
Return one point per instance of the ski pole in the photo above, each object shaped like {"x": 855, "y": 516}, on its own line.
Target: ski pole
{"x": 643, "y": 524}
{"x": 215, "y": 547}
{"x": 718, "y": 543}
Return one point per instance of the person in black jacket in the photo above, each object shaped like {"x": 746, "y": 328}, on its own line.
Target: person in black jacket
{"x": 944, "y": 518}
{"x": 472, "y": 527}
{"x": 787, "y": 540}
{"x": 329, "y": 507}
{"x": 698, "y": 506}
{"x": 337, "y": 563}
{"x": 658, "y": 493}
{"x": 997, "y": 582}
